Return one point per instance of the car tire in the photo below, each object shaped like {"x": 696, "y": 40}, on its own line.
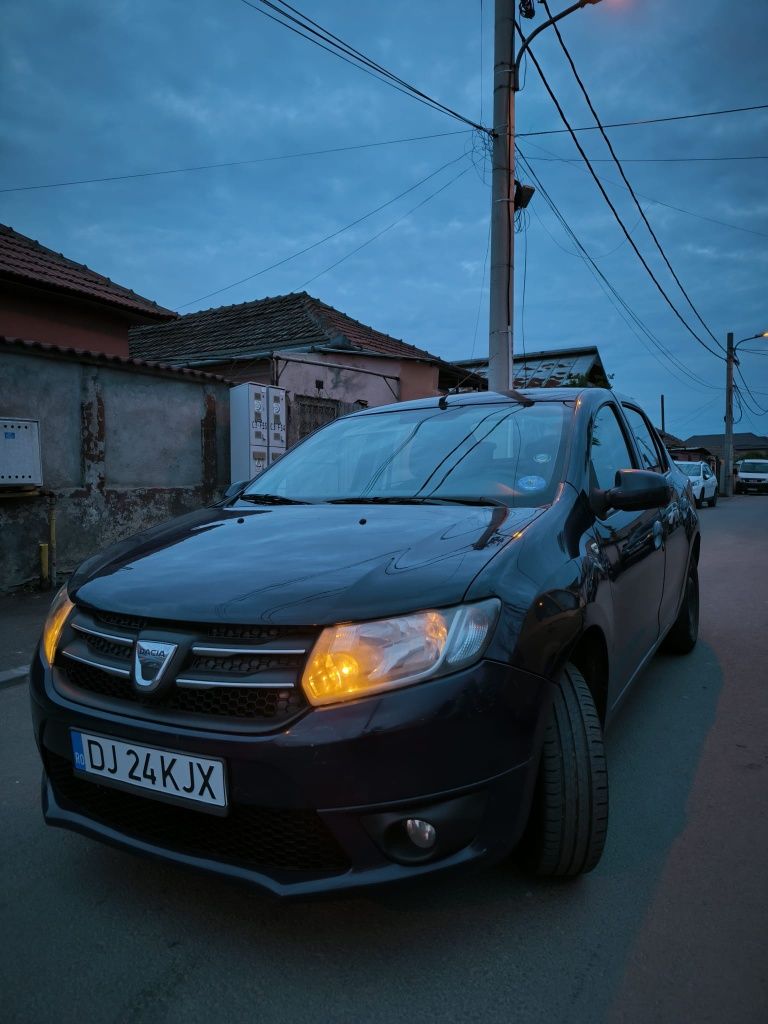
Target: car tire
{"x": 700, "y": 499}
{"x": 713, "y": 500}
{"x": 566, "y": 830}
{"x": 681, "y": 639}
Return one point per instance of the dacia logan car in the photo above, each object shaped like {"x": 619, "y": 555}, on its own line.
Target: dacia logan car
{"x": 393, "y": 653}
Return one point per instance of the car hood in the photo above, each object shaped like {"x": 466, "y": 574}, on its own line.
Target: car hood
{"x": 298, "y": 564}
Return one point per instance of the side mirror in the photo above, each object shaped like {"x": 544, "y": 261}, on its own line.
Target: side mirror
{"x": 634, "y": 491}
{"x": 234, "y": 490}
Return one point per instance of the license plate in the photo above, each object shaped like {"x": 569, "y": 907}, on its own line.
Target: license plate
{"x": 163, "y": 774}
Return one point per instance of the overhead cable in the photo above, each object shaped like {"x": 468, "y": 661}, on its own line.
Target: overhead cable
{"x": 638, "y": 327}
{"x": 759, "y": 410}
{"x": 644, "y": 121}
{"x": 237, "y": 163}
{"x": 326, "y": 238}
{"x": 615, "y": 213}
{"x": 389, "y": 227}
{"x": 578, "y": 163}
{"x": 659, "y": 159}
{"x": 626, "y": 180}
{"x": 314, "y": 33}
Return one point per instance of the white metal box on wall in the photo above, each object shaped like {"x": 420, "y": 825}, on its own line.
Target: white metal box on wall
{"x": 277, "y": 422}
{"x": 257, "y": 426}
{"x": 20, "y": 459}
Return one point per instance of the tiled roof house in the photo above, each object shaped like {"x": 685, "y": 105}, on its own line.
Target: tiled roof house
{"x": 47, "y": 297}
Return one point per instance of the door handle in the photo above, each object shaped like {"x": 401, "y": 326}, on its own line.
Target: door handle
{"x": 658, "y": 534}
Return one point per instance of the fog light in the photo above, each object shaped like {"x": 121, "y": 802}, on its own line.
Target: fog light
{"x": 421, "y": 833}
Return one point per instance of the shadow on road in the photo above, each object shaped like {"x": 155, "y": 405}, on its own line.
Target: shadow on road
{"x": 492, "y": 943}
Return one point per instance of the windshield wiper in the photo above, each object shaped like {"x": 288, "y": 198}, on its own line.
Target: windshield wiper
{"x": 271, "y": 499}
{"x": 381, "y": 499}
{"x": 473, "y": 501}
{"x": 413, "y": 500}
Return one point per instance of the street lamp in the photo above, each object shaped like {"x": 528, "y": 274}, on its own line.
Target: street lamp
{"x": 730, "y": 362}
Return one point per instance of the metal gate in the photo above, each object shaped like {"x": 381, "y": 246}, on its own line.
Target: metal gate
{"x": 310, "y": 413}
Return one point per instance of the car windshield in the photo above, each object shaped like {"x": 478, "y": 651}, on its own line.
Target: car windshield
{"x": 755, "y": 466}
{"x": 690, "y": 468}
{"x": 510, "y": 453}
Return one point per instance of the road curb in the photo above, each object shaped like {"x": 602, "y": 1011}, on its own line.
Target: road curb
{"x": 10, "y": 676}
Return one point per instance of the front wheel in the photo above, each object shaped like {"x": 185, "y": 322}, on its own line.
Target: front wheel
{"x": 713, "y": 500}
{"x": 700, "y": 499}
{"x": 566, "y": 830}
{"x": 681, "y": 639}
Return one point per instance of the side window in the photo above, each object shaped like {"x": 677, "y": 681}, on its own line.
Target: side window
{"x": 707, "y": 472}
{"x": 650, "y": 456}
{"x": 608, "y": 449}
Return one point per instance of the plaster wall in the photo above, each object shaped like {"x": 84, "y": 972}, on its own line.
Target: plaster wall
{"x": 122, "y": 450}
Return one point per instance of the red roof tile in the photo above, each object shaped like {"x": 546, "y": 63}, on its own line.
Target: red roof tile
{"x": 24, "y": 259}
{"x": 265, "y": 325}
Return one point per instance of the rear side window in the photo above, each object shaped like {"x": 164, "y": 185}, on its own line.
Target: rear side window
{"x": 608, "y": 449}
{"x": 650, "y": 455}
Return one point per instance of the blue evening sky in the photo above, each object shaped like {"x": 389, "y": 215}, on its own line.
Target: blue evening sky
{"x": 95, "y": 88}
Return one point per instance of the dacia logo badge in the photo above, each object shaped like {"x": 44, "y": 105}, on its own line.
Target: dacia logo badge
{"x": 150, "y": 661}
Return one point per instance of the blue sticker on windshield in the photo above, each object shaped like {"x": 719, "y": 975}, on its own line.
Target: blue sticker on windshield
{"x": 531, "y": 483}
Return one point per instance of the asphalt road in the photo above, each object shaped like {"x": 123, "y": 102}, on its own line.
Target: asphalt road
{"x": 671, "y": 927}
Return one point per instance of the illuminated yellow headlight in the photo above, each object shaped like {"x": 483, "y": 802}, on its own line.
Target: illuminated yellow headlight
{"x": 362, "y": 658}
{"x": 58, "y": 614}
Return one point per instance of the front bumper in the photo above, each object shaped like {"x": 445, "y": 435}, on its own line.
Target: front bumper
{"x": 320, "y": 805}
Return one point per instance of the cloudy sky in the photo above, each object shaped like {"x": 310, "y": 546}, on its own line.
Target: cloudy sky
{"x": 96, "y": 88}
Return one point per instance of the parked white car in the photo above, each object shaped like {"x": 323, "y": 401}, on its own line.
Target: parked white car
{"x": 752, "y": 475}
{"x": 703, "y": 482}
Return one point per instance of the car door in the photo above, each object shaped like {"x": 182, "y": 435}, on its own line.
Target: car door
{"x": 631, "y": 552}
{"x": 710, "y": 484}
{"x": 674, "y": 537}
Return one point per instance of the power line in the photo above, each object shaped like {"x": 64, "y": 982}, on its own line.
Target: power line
{"x": 622, "y": 307}
{"x": 579, "y": 164}
{"x": 659, "y": 159}
{"x": 237, "y": 163}
{"x": 321, "y": 241}
{"x": 626, "y": 312}
{"x": 644, "y": 121}
{"x": 699, "y": 410}
{"x": 625, "y": 179}
{"x": 482, "y": 292}
{"x": 760, "y": 410}
{"x": 615, "y": 213}
{"x": 389, "y": 227}
{"x": 314, "y": 33}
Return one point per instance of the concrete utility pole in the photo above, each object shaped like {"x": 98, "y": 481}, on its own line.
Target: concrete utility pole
{"x": 727, "y": 484}
{"x": 502, "y": 200}
{"x": 506, "y": 67}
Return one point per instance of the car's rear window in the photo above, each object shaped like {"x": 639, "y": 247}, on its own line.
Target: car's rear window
{"x": 507, "y": 451}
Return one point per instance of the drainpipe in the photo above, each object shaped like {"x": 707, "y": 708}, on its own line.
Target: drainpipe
{"x": 52, "y": 537}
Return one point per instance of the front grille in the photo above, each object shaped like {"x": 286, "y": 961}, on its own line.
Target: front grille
{"x": 243, "y": 664}
{"x": 221, "y": 701}
{"x": 253, "y": 837}
{"x": 101, "y": 645}
{"x": 222, "y": 671}
{"x": 208, "y": 631}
